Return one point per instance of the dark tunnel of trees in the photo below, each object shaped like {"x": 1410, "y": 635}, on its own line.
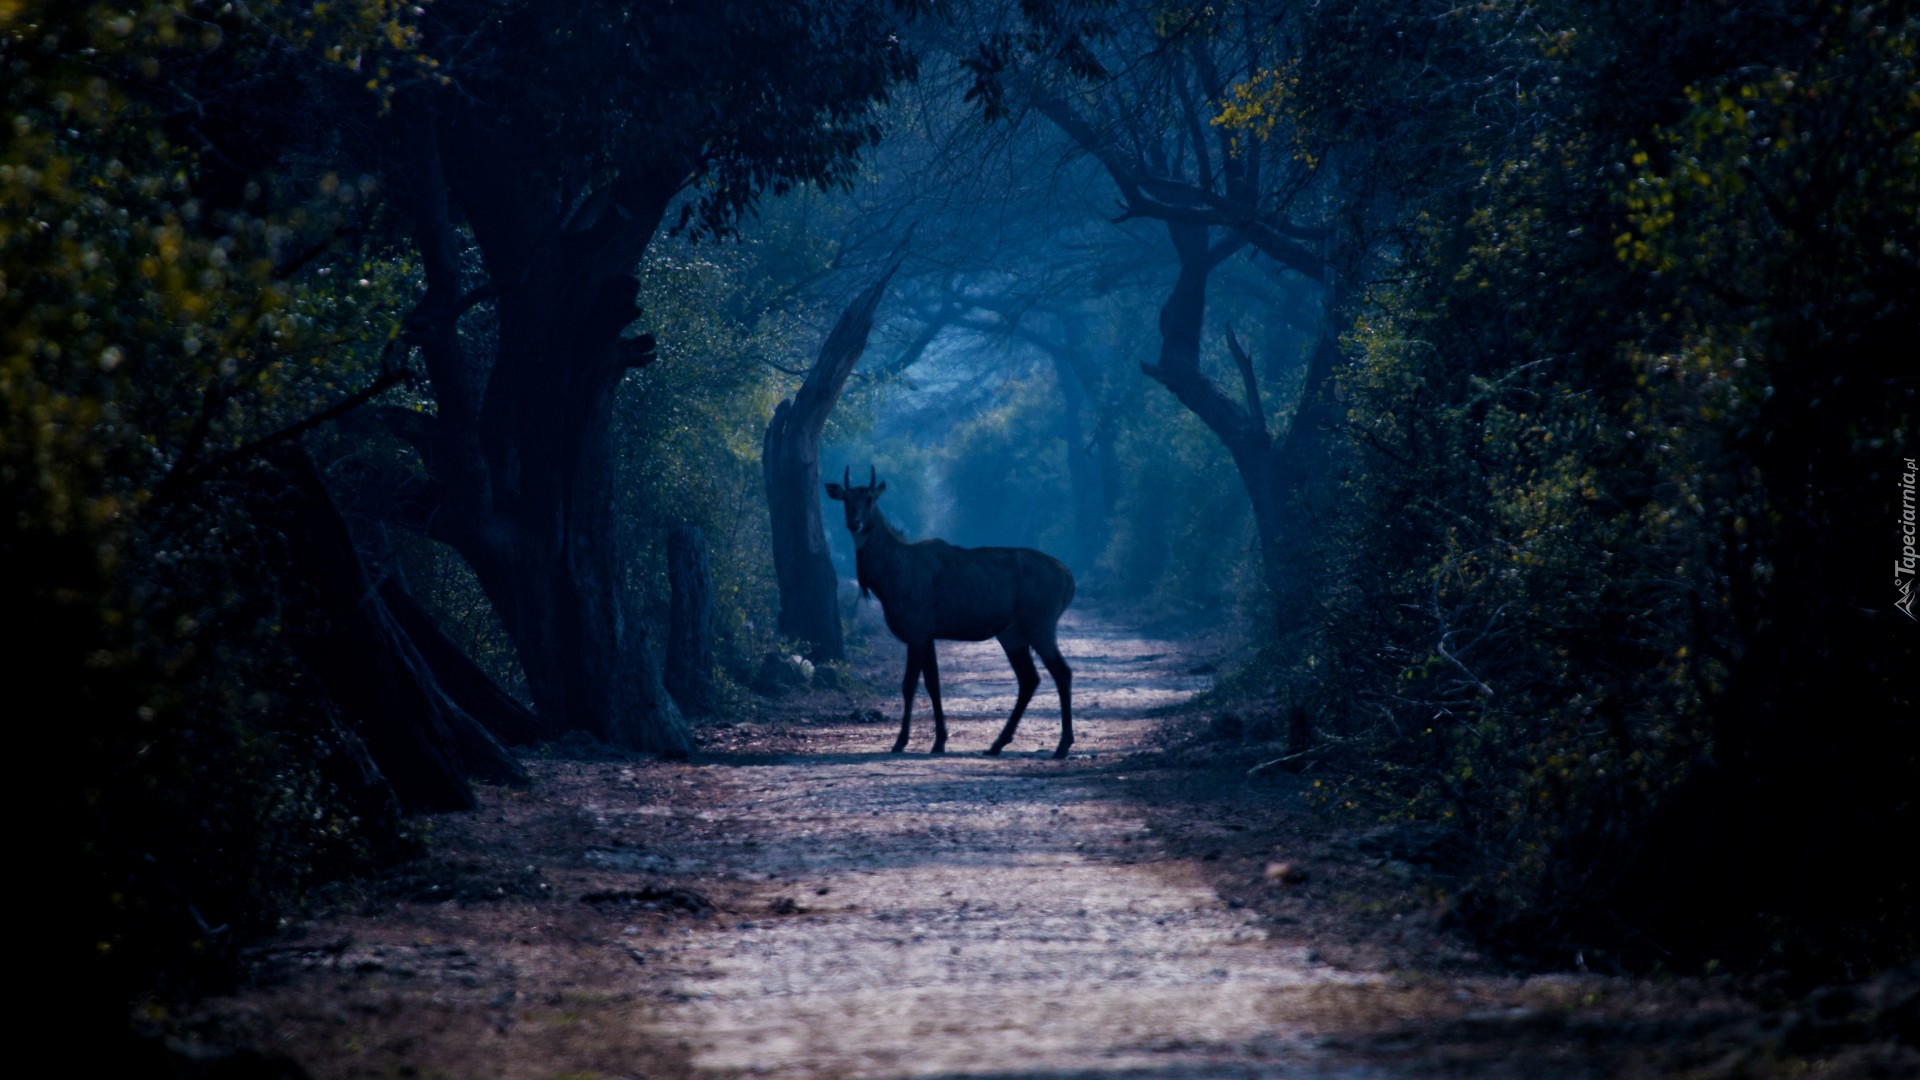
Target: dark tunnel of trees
{"x": 1530, "y": 388}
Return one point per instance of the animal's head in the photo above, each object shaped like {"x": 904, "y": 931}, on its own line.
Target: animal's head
{"x": 862, "y": 503}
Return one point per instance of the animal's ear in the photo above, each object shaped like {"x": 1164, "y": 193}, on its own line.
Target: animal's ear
{"x": 881, "y": 488}
{"x": 836, "y": 492}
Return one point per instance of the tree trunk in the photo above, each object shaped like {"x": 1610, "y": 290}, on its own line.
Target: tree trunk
{"x": 1299, "y": 734}
{"x": 470, "y": 688}
{"x": 1274, "y": 476}
{"x": 1106, "y": 455}
{"x": 423, "y": 743}
{"x": 1083, "y": 477}
{"x": 790, "y": 463}
{"x": 367, "y": 792}
{"x": 549, "y": 553}
{"x": 1301, "y": 463}
{"x": 689, "y": 675}
{"x": 521, "y": 447}
{"x": 1241, "y": 428}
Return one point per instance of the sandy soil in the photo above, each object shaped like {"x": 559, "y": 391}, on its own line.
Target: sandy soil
{"x": 800, "y": 903}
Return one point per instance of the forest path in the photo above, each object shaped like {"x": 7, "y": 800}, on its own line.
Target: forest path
{"x": 798, "y": 902}
{"x": 981, "y": 917}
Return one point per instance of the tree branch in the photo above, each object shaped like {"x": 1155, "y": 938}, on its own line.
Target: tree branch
{"x": 410, "y": 427}
{"x": 816, "y": 396}
{"x": 178, "y": 481}
{"x": 1248, "y": 384}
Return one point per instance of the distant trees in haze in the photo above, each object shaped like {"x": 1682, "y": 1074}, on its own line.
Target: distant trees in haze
{"x": 1161, "y": 100}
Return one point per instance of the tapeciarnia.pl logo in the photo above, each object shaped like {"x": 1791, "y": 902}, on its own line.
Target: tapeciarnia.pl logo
{"x": 1904, "y": 566}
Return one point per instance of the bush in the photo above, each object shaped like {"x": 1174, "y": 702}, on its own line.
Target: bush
{"x": 151, "y": 326}
{"x": 1625, "y": 437}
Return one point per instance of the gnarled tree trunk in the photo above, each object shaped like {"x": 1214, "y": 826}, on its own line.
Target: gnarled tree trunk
{"x": 521, "y": 448}
{"x": 470, "y": 688}
{"x": 1274, "y": 474}
{"x": 790, "y": 463}
{"x": 424, "y": 743}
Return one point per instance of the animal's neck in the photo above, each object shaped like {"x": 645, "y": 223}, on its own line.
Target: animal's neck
{"x": 880, "y": 534}
{"x": 874, "y": 556}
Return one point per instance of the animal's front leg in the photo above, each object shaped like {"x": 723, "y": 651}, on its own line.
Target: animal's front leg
{"x": 906, "y": 692}
{"x": 930, "y": 670}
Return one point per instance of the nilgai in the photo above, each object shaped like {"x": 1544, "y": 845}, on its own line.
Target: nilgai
{"x": 932, "y": 590}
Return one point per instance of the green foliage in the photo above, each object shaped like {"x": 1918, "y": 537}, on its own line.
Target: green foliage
{"x": 1623, "y": 433}
{"x": 731, "y": 324}
{"x": 743, "y": 97}
{"x": 150, "y": 325}
{"x": 1262, "y": 108}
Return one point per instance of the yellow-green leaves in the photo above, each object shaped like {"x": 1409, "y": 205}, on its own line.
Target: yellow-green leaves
{"x": 1263, "y": 107}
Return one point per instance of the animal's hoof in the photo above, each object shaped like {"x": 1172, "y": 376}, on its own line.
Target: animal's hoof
{"x": 898, "y": 748}
{"x": 1060, "y": 753}
{"x": 994, "y": 750}
{"x": 938, "y": 748}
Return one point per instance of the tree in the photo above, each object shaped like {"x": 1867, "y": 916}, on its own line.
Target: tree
{"x": 689, "y": 675}
{"x": 809, "y": 587}
{"x": 1014, "y": 258}
{"x": 533, "y": 157}
{"x": 1091, "y": 468}
{"x": 1193, "y": 133}
{"x": 166, "y": 315}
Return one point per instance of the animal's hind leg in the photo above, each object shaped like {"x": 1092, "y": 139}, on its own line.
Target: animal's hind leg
{"x": 1062, "y": 681}
{"x": 930, "y": 670}
{"x": 906, "y": 691}
{"x": 1021, "y": 657}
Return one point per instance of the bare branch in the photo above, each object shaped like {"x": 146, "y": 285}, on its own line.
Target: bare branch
{"x": 178, "y": 480}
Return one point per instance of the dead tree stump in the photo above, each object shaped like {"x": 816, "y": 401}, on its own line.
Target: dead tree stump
{"x": 790, "y": 465}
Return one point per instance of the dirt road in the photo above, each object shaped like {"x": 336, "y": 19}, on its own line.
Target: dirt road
{"x": 975, "y": 916}
{"x": 800, "y": 903}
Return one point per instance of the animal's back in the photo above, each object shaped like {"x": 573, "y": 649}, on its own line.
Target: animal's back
{"x": 1042, "y": 579}
{"x": 980, "y": 592}
{"x": 934, "y": 589}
